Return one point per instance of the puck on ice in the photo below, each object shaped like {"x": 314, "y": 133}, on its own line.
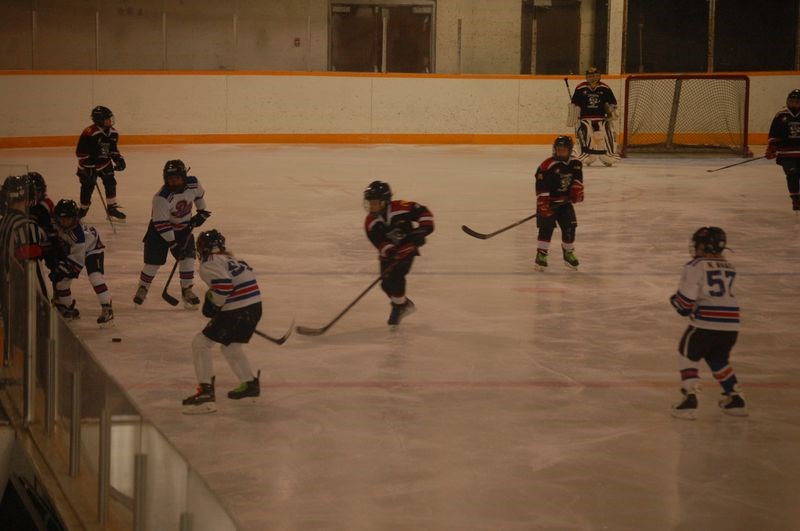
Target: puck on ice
{"x": 116, "y": 339}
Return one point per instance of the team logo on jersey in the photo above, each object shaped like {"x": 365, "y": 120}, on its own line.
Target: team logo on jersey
{"x": 182, "y": 209}
{"x": 794, "y": 129}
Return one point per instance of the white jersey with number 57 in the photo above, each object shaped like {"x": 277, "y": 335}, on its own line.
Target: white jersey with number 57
{"x": 706, "y": 294}
{"x": 233, "y": 283}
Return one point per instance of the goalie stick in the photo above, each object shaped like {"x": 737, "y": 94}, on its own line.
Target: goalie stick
{"x": 737, "y": 163}
{"x": 278, "y": 341}
{"x": 307, "y": 331}
{"x": 482, "y": 236}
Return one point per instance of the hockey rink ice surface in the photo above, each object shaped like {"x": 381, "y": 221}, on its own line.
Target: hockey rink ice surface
{"x": 512, "y": 399}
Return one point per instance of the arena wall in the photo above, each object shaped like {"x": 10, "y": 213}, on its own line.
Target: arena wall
{"x": 51, "y": 108}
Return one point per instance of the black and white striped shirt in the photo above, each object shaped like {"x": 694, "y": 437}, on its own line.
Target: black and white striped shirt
{"x": 20, "y": 240}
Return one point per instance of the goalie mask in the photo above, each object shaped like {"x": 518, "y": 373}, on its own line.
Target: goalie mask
{"x": 565, "y": 142}
{"x": 100, "y": 114}
{"x": 793, "y": 100}
{"x": 210, "y": 242}
{"x": 593, "y": 76}
{"x": 66, "y": 213}
{"x": 175, "y": 175}
{"x": 377, "y": 191}
{"x": 708, "y": 240}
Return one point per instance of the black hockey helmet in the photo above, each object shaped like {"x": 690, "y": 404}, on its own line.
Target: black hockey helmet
{"x": 66, "y": 210}
{"x": 563, "y": 141}
{"x": 711, "y": 240}
{"x": 592, "y": 75}
{"x": 172, "y": 168}
{"x": 15, "y": 189}
{"x": 793, "y": 99}
{"x": 37, "y": 185}
{"x": 100, "y": 114}
{"x": 210, "y": 241}
{"x": 378, "y": 191}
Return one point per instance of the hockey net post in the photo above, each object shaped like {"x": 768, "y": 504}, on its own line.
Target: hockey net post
{"x": 686, "y": 113}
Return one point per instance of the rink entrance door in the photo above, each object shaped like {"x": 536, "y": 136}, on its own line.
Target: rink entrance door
{"x": 381, "y": 38}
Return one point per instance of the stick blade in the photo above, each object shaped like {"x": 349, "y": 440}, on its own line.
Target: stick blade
{"x": 172, "y": 301}
{"x": 473, "y": 233}
{"x": 281, "y": 340}
{"x": 306, "y": 331}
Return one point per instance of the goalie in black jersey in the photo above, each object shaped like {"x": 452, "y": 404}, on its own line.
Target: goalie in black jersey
{"x": 397, "y": 229}
{"x": 559, "y": 184}
{"x": 784, "y": 144}
{"x": 592, "y": 113}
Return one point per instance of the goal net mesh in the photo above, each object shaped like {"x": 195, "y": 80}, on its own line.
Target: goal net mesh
{"x": 686, "y": 114}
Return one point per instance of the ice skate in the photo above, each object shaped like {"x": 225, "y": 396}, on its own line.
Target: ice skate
{"x": 733, "y": 404}
{"x": 795, "y": 202}
{"x": 141, "y": 295}
{"x": 400, "y": 311}
{"x": 82, "y": 212}
{"x": 250, "y": 389}
{"x": 115, "y": 215}
{"x": 540, "y": 262}
{"x": 190, "y": 300}
{"x": 570, "y": 259}
{"x": 70, "y": 313}
{"x": 203, "y": 401}
{"x": 608, "y": 160}
{"x": 106, "y": 319}
{"x": 687, "y": 408}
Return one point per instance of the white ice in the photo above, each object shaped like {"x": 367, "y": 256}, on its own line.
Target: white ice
{"x": 512, "y": 400}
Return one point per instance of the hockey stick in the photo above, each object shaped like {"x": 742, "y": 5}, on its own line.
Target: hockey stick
{"x": 172, "y": 301}
{"x": 738, "y": 163}
{"x": 482, "y": 236}
{"x": 306, "y": 331}
{"x": 279, "y": 341}
{"x": 105, "y": 208}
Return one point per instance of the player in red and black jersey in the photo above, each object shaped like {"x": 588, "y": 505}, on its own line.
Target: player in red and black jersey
{"x": 98, "y": 154}
{"x": 397, "y": 229}
{"x": 594, "y": 107}
{"x": 784, "y": 144}
{"x": 559, "y": 184}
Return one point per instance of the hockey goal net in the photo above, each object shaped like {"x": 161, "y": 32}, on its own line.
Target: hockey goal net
{"x": 686, "y": 113}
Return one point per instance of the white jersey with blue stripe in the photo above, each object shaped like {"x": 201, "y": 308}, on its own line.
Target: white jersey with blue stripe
{"x": 173, "y": 210}
{"x": 706, "y": 294}
{"x": 232, "y": 282}
{"x": 79, "y": 242}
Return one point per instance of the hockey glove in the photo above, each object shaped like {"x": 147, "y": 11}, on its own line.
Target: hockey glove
{"x": 772, "y": 151}
{"x": 199, "y": 218}
{"x": 576, "y": 192}
{"x": 543, "y": 206}
{"x": 119, "y": 164}
{"x": 209, "y": 308}
{"x": 417, "y": 237}
{"x": 404, "y": 251}
{"x": 60, "y": 272}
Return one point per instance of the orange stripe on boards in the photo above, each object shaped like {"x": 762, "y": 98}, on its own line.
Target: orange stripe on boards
{"x": 301, "y": 138}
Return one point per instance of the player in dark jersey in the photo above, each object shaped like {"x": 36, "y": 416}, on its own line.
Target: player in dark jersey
{"x": 98, "y": 155}
{"x": 559, "y": 184}
{"x": 397, "y": 229}
{"x": 41, "y": 211}
{"x": 784, "y": 144}
{"x": 592, "y": 112}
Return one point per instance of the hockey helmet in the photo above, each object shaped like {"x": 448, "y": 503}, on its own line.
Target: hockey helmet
{"x": 66, "y": 213}
{"x": 563, "y": 141}
{"x": 37, "y": 185}
{"x": 378, "y": 191}
{"x": 100, "y": 114}
{"x": 210, "y": 241}
{"x": 709, "y": 240}
{"x": 793, "y": 100}
{"x": 175, "y": 168}
{"x": 592, "y": 75}
{"x": 15, "y": 189}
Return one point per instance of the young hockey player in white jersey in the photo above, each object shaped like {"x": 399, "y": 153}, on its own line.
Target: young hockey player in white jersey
{"x": 707, "y": 297}
{"x": 233, "y": 303}
{"x": 170, "y": 229}
{"x": 78, "y": 246}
